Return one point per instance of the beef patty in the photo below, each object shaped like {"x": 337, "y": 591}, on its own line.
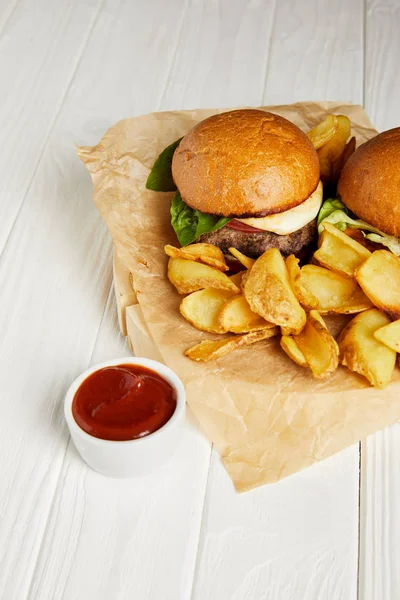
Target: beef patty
{"x": 255, "y": 244}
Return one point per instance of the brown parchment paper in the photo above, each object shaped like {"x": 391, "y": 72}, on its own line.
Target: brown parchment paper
{"x": 267, "y": 417}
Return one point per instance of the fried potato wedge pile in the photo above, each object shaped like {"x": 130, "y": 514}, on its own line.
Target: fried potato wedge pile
{"x": 276, "y": 296}
{"x": 202, "y": 309}
{"x": 207, "y": 254}
{"x": 379, "y": 277}
{"x": 189, "y": 276}
{"x": 339, "y": 252}
{"x": 268, "y": 291}
{"x": 211, "y": 349}
{"x": 363, "y": 353}
{"x": 329, "y": 138}
{"x": 332, "y": 293}
{"x": 236, "y": 316}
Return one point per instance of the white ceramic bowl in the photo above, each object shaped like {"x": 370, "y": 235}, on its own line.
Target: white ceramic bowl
{"x": 130, "y": 458}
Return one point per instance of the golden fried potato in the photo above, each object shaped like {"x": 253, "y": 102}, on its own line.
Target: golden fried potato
{"x": 389, "y": 335}
{"x": 202, "y": 309}
{"x": 318, "y": 347}
{"x": 379, "y": 277}
{"x": 237, "y": 316}
{"x": 336, "y": 294}
{"x": 339, "y": 252}
{"x": 236, "y": 278}
{"x": 338, "y": 165}
{"x": 189, "y": 276}
{"x": 211, "y": 349}
{"x": 304, "y": 296}
{"x": 207, "y": 254}
{"x": 269, "y": 293}
{"x": 245, "y": 275}
{"x": 289, "y": 346}
{"x": 331, "y": 152}
{"x": 323, "y": 132}
{"x": 361, "y": 352}
{"x": 245, "y": 260}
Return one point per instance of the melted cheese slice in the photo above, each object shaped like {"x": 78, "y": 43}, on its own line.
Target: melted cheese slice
{"x": 291, "y": 220}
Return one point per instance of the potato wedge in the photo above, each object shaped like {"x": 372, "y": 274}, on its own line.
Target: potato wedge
{"x": 269, "y": 293}
{"x": 189, "y": 276}
{"x": 379, "y": 277}
{"x": 289, "y": 346}
{"x": 330, "y": 152}
{"x": 318, "y": 347}
{"x": 207, "y": 254}
{"x": 389, "y": 335}
{"x": 211, "y": 349}
{"x": 336, "y": 294}
{"x": 323, "y": 132}
{"x": 361, "y": 352}
{"x": 338, "y": 165}
{"x": 304, "y": 296}
{"x": 245, "y": 276}
{"x": 202, "y": 309}
{"x": 236, "y": 278}
{"x": 236, "y": 316}
{"x": 242, "y": 258}
{"x": 339, "y": 252}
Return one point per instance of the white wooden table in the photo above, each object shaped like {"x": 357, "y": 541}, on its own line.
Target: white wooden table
{"x": 68, "y": 70}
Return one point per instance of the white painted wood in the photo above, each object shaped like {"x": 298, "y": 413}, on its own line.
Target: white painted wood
{"x": 56, "y": 269}
{"x": 40, "y": 46}
{"x": 72, "y": 69}
{"x": 380, "y": 475}
{"x": 316, "y": 52}
{"x": 297, "y": 539}
{"x": 124, "y": 539}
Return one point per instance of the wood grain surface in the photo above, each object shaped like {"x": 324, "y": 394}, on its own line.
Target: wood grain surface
{"x": 69, "y": 70}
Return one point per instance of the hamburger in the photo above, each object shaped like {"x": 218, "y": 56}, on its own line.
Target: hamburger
{"x": 248, "y": 179}
{"x": 368, "y": 203}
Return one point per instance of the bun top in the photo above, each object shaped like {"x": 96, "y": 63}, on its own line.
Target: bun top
{"x": 245, "y": 163}
{"x": 370, "y": 182}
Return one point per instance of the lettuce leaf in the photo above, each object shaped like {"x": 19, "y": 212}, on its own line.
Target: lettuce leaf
{"x": 160, "y": 177}
{"x": 328, "y": 207}
{"x": 334, "y": 211}
{"x": 190, "y": 224}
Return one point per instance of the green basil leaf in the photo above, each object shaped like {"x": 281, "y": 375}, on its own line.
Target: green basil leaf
{"x": 207, "y": 223}
{"x": 183, "y": 220}
{"x": 160, "y": 177}
{"x": 190, "y": 224}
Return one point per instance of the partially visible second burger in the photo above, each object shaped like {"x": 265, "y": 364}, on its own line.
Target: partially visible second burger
{"x": 368, "y": 207}
{"x": 247, "y": 179}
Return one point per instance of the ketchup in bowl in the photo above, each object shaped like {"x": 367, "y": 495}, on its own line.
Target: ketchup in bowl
{"x": 123, "y": 402}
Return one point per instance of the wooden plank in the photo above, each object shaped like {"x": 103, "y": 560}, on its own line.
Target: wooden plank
{"x": 39, "y": 52}
{"x": 298, "y": 538}
{"x": 295, "y": 539}
{"x": 380, "y": 478}
{"x": 124, "y": 538}
{"x": 140, "y": 530}
{"x": 316, "y": 52}
{"x": 57, "y": 264}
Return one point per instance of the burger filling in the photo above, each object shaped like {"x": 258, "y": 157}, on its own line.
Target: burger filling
{"x": 335, "y": 212}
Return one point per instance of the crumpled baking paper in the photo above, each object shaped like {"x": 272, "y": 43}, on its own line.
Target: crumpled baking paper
{"x": 267, "y": 417}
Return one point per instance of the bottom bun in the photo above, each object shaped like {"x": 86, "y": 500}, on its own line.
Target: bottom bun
{"x": 255, "y": 244}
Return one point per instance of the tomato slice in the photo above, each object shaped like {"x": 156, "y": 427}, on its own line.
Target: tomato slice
{"x": 239, "y": 226}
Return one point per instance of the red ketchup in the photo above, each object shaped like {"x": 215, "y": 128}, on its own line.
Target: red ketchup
{"x": 124, "y": 402}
